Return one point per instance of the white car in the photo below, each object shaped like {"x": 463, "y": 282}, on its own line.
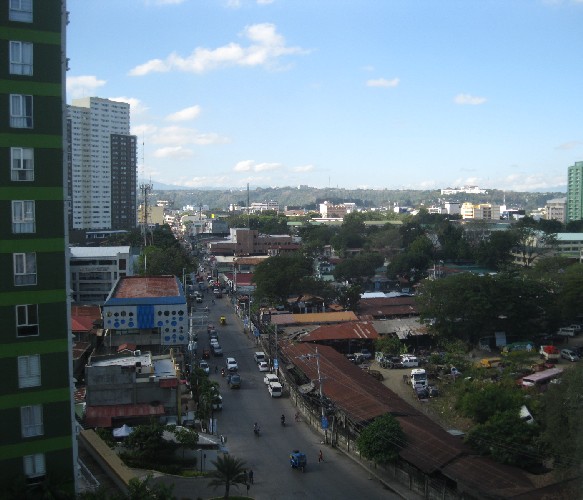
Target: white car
{"x": 204, "y": 366}
{"x": 263, "y": 366}
{"x": 275, "y": 389}
{"x": 232, "y": 365}
{"x": 269, "y": 378}
{"x": 214, "y": 342}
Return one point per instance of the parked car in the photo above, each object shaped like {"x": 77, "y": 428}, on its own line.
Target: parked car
{"x": 275, "y": 389}
{"x": 366, "y": 354}
{"x": 270, "y": 377}
{"x": 263, "y": 366}
{"x": 203, "y": 365}
{"x": 232, "y": 365}
{"x": 217, "y": 402}
{"x": 217, "y": 350}
{"x": 259, "y": 356}
{"x": 422, "y": 392}
{"x": 569, "y": 355}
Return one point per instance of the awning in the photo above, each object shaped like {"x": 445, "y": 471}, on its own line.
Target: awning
{"x": 102, "y": 416}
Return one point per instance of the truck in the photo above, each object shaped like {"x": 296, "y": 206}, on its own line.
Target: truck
{"x": 418, "y": 378}
{"x": 550, "y": 353}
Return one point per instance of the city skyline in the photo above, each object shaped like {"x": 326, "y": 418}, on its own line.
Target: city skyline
{"x": 345, "y": 94}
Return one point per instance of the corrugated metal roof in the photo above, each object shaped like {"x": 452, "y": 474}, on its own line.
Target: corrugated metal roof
{"x": 388, "y": 306}
{"x": 353, "y": 330}
{"x": 429, "y": 447}
{"x": 139, "y": 287}
{"x": 358, "y": 394}
{"x": 300, "y": 319}
{"x": 82, "y": 317}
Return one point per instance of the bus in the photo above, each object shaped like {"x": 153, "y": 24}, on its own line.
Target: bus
{"x": 540, "y": 379}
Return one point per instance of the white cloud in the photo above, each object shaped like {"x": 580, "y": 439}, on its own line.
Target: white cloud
{"x": 252, "y": 166}
{"x": 571, "y": 144}
{"x": 219, "y": 180}
{"x": 265, "y": 48}
{"x": 303, "y": 168}
{"x": 468, "y": 99}
{"x": 174, "y": 152}
{"x": 83, "y": 86}
{"x": 382, "y": 82}
{"x": 234, "y": 4}
{"x": 264, "y": 2}
{"x": 136, "y": 106}
{"x": 184, "y": 114}
{"x": 178, "y": 136}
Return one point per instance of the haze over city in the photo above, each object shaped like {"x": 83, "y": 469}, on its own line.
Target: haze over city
{"x": 395, "y": 94}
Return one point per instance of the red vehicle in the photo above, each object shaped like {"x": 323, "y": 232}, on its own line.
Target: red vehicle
{"x": 206, "y": 353}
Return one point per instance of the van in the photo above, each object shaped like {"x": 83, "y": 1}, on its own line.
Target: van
{"x": 409, "y": 361}
{"x": 259, "y": 356}
{"x": 275, "y": 389}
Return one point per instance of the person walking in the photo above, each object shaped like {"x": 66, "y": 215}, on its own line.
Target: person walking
{"x": 320, "y": 457}
{"x": 250, "y": 474}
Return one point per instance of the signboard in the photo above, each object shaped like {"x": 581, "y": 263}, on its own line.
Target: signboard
{"x": 275, "y": 363}
{"x": 324, "y": 422}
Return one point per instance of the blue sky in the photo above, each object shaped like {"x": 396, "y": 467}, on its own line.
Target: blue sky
{"x": 394, "y": 94}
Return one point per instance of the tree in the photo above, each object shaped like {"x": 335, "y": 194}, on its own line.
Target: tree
{"x": 146, "y": 440}
{"x": 496, "y": 252}
{"x": 358, "y": 268}
{"x": 228, "y": 471}
{"x": 388, "y": 344}
{"x": 146, "y": 490}
{"x": 278, "y": 277}
{"x": 349, "y": 297}
{"x": 381, "y": 440}
{"x": 188, "y": 438}
{"x": 561, "y": 416}
{"x": 482, "y": 401}
{"x": 506, "y": 438}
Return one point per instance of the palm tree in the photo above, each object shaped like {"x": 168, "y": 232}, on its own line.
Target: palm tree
{"x": 229, "y": 470}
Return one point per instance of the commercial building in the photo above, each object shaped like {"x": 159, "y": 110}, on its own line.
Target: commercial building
{"x": 102, "y": 169}
{"x": 556, "y": 210}
{"x": 36, "y": 437}
{"x": 95, "y": 270}
{"x": 575, "y": 192}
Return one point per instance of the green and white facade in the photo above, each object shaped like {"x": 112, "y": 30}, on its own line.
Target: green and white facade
{"x": 575, "y": 192}
{"x": 37, "y": 432}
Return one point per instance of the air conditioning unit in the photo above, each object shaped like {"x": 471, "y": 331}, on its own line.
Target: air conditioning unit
{"x": 137, "y": 353}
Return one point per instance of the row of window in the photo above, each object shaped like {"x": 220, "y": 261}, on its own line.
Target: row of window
{"x": 22, "y": 169}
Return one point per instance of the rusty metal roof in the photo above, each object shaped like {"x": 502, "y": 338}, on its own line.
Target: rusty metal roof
{"x": 138, "y": 287}
{"x": 388, "y": 306}
{"x": 429, "y": 447}
{"x": 103, "y": 416}
{"x": 354, "y": 330}
{"x": 302, "y": 319}
{"x": 358, "y": 394}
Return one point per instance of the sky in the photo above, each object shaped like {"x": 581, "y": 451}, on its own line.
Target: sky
{"x": 396, "y": 94}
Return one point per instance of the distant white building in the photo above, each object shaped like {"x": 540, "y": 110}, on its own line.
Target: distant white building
{"x": 95, "y": 270}
{"x": 465, "y": 189}
{"x": 556, "y": 210}
{"x": 328, "y": 210}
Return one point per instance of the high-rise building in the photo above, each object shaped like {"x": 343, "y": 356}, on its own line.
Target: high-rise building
{"x": 36, "y": 410}
{"x": 575, "y": 192}
{"x": 102, "y": 169}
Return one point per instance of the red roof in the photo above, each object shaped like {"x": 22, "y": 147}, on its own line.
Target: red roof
{"x": 127, "y": 347}
{"x": 169, "y": 382}
{"x": 139, "y": 287}
{"x": 102, "y": 416}
{"x": 388, "y": 306}
{"x": 82, "y": 317}
{"x": 343, "y": 331}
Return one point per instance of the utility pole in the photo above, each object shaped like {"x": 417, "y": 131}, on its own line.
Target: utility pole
{"x": 324, "y": 419}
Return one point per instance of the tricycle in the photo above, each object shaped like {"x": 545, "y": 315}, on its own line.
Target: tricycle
{"x": 297, "y": 460}
{"x": 223, "y": 320}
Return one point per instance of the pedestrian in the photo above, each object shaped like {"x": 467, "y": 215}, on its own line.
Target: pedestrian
{"x": 250, "y": 474}
{"x": 245, "y": 476}
{"x": 216, "y": 368}
{"x": 320, "y": 457}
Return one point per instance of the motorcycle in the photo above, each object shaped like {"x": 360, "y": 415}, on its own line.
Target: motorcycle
{"x": 256, "y": 430}
{"x": 283, "y": 420}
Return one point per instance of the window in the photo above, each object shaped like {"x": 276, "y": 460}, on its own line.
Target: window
{"x": 22, "y": 164}
{"x": 31, "y": 421}
{"x": 20, "y": 10}
{"x": 29, "y": 371}
{"x": 20, "y": 111}
{"x": 24, "y": 268}
{"x": 21, "y": 58}
{"x": 27, "y": 320}
{"x": 34, "y": 465}
{"x": 23, "y": 217}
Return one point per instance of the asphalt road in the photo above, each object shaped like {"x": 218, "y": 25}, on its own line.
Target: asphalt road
{"x": 337, "y": 477}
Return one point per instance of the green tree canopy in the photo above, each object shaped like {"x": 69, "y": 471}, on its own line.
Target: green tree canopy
{"x": 381, "y": 440}
{"x": 481, "y": 401}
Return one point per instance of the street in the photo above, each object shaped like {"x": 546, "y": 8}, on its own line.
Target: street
{"x": 337, "y": 476}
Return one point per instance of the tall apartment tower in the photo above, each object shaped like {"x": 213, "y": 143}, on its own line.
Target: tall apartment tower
{"x": 36, "y": 409}
{"x": 575, "y": 192}
{"x": 103, "y": 167}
